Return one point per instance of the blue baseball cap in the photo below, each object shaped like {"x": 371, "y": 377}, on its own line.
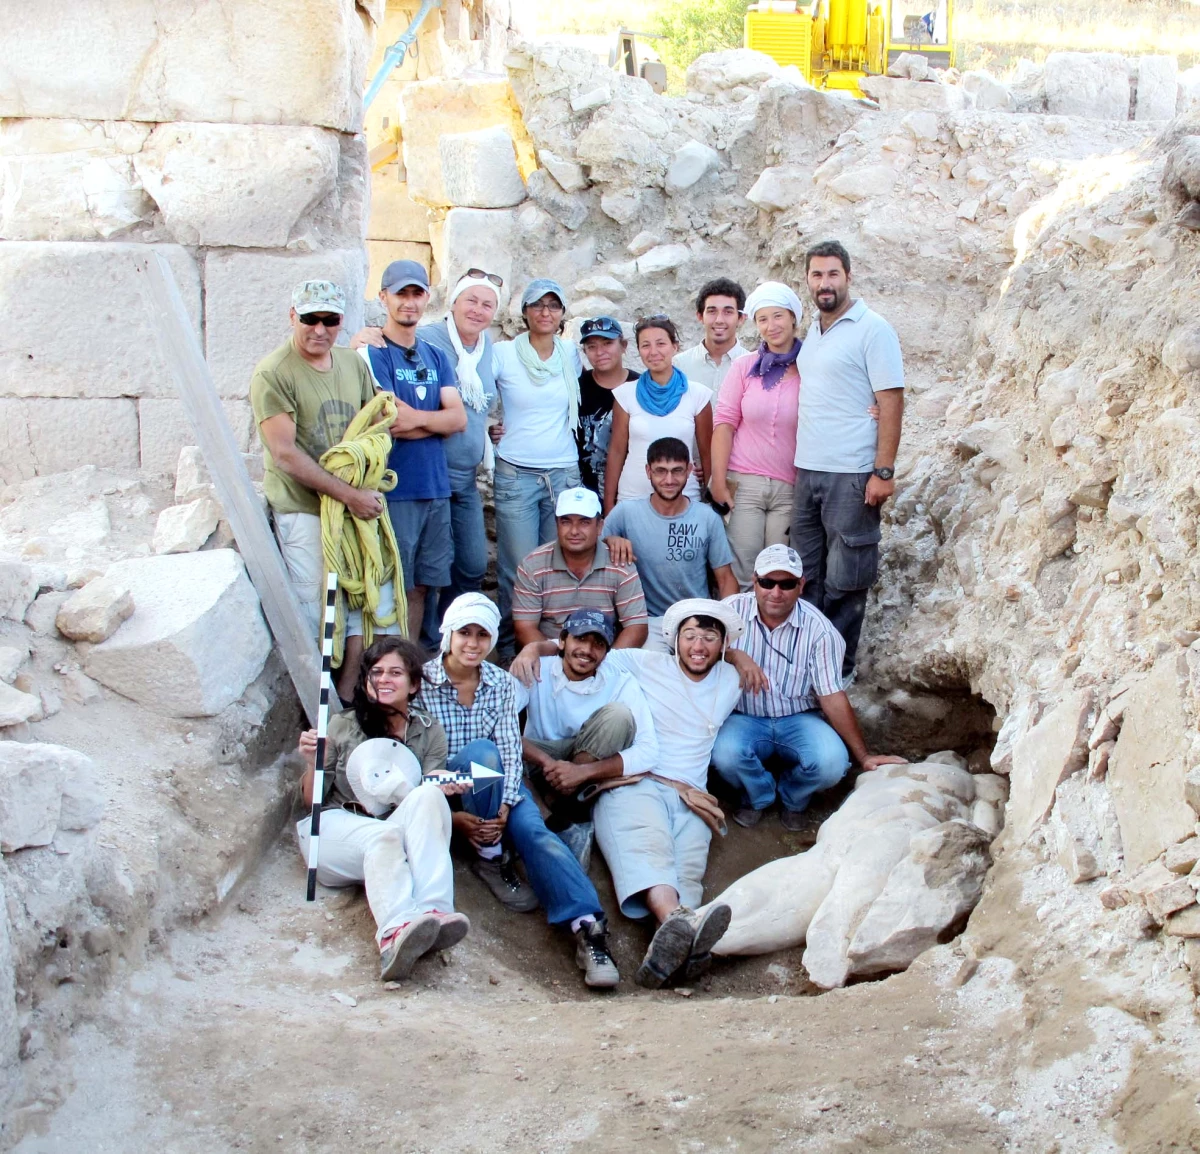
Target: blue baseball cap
{"x": 402, "y": 273}
{"x": 605, "y": 327}
{"x": 584, "y": 621}
{"x": 539, "y": 288}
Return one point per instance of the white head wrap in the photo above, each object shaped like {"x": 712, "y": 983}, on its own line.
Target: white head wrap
{"x": 776, "y": 294}
{"x": 678, "y": 613}
{"x": 470, "y": 609}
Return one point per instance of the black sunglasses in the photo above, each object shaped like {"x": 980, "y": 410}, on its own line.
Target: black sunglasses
{"x": 330, "y": 321}
{"x": 479, "y": 274}
{"x": 787, "y": 584}
{"x": 410, "y": 354}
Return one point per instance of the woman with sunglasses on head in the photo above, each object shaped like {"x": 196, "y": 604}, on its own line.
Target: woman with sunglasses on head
{"x": 399, "y": 852}
{"x": 537, "y": 376}
{"x": 662, "y": 402}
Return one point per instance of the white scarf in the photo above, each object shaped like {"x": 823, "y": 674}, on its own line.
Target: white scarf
{"x": 469, "y": 383}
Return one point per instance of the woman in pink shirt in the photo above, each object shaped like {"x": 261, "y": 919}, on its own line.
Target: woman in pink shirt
{"x": 754, "y": 434}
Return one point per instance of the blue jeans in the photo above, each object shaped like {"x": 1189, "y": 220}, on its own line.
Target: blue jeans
{"x": 524, "y": 520}
{"x": 807, "y": 749}
{"x": 470, "y": 553}
{"x": 560, "y": 884}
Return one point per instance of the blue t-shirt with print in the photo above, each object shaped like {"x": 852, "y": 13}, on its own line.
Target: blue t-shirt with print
{"x": 416, "y": 376}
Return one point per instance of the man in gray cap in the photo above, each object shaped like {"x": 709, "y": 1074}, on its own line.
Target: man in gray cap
{"x": 429, "y": 408}
{"x": 803, "y": 726}
{"x": 304, "y": 396}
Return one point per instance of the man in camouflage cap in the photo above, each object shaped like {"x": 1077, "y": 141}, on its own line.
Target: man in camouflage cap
{"x": 304, "y": 395}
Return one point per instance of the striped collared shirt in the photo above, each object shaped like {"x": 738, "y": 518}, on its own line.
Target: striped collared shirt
{"x": 802, "y": 658}
{"x": 493, "y": 717}
{"x": 546, "y": 592}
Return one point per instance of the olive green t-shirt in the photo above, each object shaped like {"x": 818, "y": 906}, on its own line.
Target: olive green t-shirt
{"x": 424, "y": 736}
{"x": 321, "y": 403}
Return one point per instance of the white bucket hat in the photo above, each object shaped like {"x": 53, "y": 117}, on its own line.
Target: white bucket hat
{"x": 382, "y": 773}
{"x": 700, "y": 607}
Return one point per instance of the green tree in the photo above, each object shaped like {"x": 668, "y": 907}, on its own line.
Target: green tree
{"x": 693, "y": 27}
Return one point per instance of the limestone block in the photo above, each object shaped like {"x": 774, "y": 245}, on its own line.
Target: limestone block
{"x": 168, "y": 60}
{"x": 1185, "y": 923}
{"x": 163, "y": 430}
{"x": 95, "y": 612}
{"x": 923, "y": 124}
{"x": 479, "y": 168}
{"x": 394, "y": 214}
{"x": 1182, "y": 858}
{"x": 16, "y": 707}
{"x": 431, "y": 109}
{"x": 994, "y": 438}
{"x": 11, "y": 659}
{"x": 590, "y": 100}
{"x": 569, "y": 175}
{"x": 601, "y": 285}
{"x": 247, "y": 296}
{"x": 196, "y": 639}
{"x": 991, "y": 787}
{"x": 622, "y": 205}
{"x": 1181, "y": 352}
{"x": 989, "y": 93}
{"x": 929, "y": 892}
{"x": 237, "y": 185}
{"x": 862, "y": 183}
{"x": 909, "y": 66}
{"x": 618, "y": 149}
{"x": 590, "y": 306}
{"x": 1188, "y": 97}
{"x": 779, "y": 188}
{"x": 896, "y": 95}
{"x": 32, "y": 776}
{"x": 691, "y": 163}
{"x": 663, "y": 258}
{"x": 120, "y": 358}
{"x": 1148, "y": 767}
{"x": 718, "y": 72}
{"x": 568, "y": 210}
{"x": 1050, "y": 751}
{"x": 38, "y": 437}
{"x": 944, "y": 776}
{"x": 480, "y": 238}
{"x": 1094, "y": 85}
{"x": 1077, "y": 831}
{"x": 184, "y": 528}
{"x": 1157, "y": 87}
{"x": 643, "y": 242}
{"x": 1165, "y": 899}
{"x": 18, "y": 588}
{"x": 986, "y": 816}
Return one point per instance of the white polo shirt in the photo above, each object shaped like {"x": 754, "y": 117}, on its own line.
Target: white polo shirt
{"x": 841, "y": 370}
{"x": 697, "y": 365}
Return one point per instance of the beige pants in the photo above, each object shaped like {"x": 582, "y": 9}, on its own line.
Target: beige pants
{"x": 761, "y": 516}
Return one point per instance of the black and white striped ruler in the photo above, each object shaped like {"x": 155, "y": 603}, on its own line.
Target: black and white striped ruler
{"x": 314, "y": 829}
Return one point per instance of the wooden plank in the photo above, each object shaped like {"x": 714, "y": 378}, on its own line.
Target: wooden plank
{"x": 183, "y": 354}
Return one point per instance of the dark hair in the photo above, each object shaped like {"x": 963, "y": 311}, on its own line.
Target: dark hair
{"x": 668, "y": 449}
{"x": 372, "y": 717}
{"x": 657, "y": 321}
{"x": 828, "y": 248}
{"x": 721, "y": 287}
{"x": 704, "y": 622}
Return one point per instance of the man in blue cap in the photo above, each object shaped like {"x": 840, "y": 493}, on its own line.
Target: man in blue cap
{"x": 430, "y": 408}
{"x": 604, "y": 345}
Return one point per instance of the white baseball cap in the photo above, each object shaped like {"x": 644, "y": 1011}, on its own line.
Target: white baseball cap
{"x": 778, "y": 559}
{"x": 577, "y": 503}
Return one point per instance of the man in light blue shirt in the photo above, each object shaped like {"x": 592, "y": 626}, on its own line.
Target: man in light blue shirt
{"x": 845, "y": 457}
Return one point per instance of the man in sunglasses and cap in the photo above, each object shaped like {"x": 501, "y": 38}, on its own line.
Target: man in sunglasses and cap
{"x": 304, "y": 396}
{"x": 803, "y": 725}
{"x": 429, "y": 409}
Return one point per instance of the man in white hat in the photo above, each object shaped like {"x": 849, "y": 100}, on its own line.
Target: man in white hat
{"x": 576, "y": 572}
{"x": 803, "y": 726}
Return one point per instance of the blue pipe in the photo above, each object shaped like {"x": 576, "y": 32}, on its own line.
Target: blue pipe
{"x": 394, "y": 56}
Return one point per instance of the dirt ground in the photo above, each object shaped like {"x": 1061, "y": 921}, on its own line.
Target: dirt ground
{"x": 266, "y": 1028}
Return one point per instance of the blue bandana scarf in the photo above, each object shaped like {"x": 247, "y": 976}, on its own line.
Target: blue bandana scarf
{"x": 661, "y": 400}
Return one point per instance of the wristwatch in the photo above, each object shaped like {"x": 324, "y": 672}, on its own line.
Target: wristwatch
{"x": 884, "y": 474}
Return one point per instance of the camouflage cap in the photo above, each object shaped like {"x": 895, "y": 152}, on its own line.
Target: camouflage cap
{"x": 318, "y": 296}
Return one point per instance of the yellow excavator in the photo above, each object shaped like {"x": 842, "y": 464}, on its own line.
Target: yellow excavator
{"x": 835, "y": 43}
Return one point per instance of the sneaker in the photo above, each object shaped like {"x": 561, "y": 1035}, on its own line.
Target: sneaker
{"x": 452, "y": 928}
{"x": 578, "y": 839}
{"x": 592, "y": 956}
{"x": 748, "y": 817}
{"x": 710, "y": 929}
{"x": 407, "y": 944}
{"x": 668, "y": 950}
{"x": 793, "y": 820}
{"x": 500, "y": 876}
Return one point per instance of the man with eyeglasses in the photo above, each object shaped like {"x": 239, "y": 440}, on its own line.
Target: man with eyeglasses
{"x": 304, "y": 396}
{"x": 429, "y": 408}
{"x": 801, "y": 726}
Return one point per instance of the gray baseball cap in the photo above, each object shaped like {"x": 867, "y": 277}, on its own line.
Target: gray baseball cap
{"x": 539, "y": 288}
{"x": 584, "y": 621}
{"x": 402, "y": 273}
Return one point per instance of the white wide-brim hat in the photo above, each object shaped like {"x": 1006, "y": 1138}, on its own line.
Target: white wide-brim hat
{"x": 700, "y": 607}
{"x": 382, "y": 773}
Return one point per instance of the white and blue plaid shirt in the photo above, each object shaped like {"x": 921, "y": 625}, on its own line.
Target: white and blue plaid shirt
{"x": 493, "y": 717}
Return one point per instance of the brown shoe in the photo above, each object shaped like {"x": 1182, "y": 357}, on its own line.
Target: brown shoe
{"x": 793, "y": 820}
{"x": 748, "y": 817}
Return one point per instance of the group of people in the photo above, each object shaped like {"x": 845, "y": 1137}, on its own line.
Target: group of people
{"x": 683, "y": 557}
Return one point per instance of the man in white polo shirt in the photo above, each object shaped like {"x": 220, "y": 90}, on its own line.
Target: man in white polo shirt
{"x": 719, "y": 305}
{"x": 803, "y": 726}
{"x": 845, "y": 458}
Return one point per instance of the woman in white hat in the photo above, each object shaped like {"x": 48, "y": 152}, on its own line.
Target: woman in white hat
{"x": 395, "y": 843}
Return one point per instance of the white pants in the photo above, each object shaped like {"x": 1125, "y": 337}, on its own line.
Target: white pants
{"x": 403, "y": 862}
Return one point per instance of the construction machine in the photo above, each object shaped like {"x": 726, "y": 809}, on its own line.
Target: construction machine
{"x": 835, "y": 43}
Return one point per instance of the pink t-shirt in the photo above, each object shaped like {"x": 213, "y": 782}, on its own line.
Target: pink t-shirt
{"x": 764, "y": 421}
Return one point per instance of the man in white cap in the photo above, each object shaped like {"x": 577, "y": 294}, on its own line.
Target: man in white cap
{"x": 304, "y": 396}
{"x": 576, "y": 572}
{"x": 803, "y": 726}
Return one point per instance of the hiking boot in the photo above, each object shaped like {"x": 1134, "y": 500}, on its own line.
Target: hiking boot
{"x": 452, "y": 928}
{"x": 793, "y": 820}
{"x": 748, "y": 817}
{"x": 592, "y": 956}
{"x": 407, "y": 944}
{"x": 710, "y": 929}
{"x": 578, "y": 839}
{"x": 668, "y": 950}
{"x": 500, "y": 876}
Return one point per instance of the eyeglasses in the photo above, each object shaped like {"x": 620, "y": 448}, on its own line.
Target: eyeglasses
{"x": 479, "y": 274}
{"x": 545, "y": 307}
{"x": 787, "y": 584}
{"x": 311, "y": 320}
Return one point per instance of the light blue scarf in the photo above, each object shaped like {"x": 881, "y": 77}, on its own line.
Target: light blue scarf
{"x": 661, "y": 400}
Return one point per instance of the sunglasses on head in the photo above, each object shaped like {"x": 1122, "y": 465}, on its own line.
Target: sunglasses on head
{"x": 479, "y": 274}
{"x": 787, "y": 584}
{"x": 329, "y": 320}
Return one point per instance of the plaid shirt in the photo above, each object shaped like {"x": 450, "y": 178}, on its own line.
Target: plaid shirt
{"x": 493, "y": 717}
